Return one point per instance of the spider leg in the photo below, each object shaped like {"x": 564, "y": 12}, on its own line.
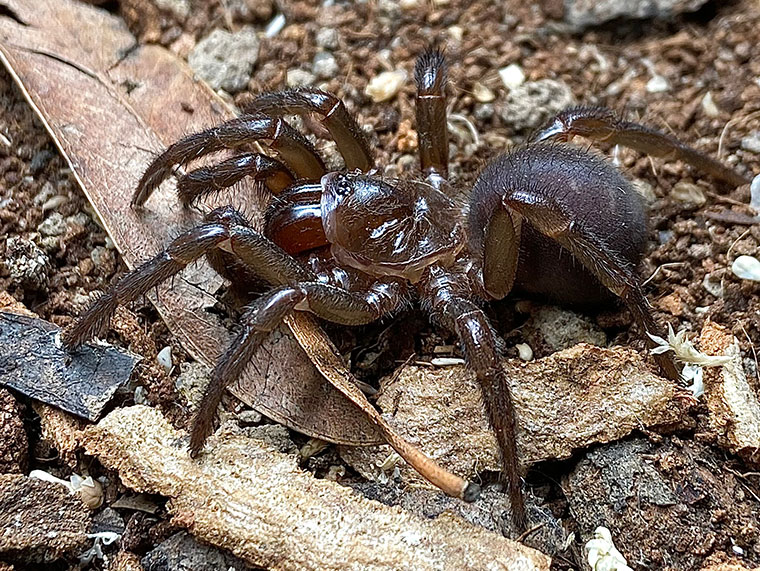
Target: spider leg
{"x": 557, "y": 223}
{"x": 266, "y": 313}
{"x": 447, "y": 292}
{"x": 601, "y": 124}
{"x": 182, "y": 251}
{"x": 349, "y": 138}
{"x": 292, "y": 147}
{"x": 205, "y": 180}
{"x": 430, "y": 76}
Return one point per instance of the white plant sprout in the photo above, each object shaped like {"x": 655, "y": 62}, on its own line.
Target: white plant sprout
{"x": 601, "y": 553}
{"x": 685, "y": 352}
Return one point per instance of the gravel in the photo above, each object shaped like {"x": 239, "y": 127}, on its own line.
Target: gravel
{"x": 226, "y": 60}
{"x": 530, "y": 104}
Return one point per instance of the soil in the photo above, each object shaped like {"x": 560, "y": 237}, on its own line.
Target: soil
{"x": 52, "y": 254}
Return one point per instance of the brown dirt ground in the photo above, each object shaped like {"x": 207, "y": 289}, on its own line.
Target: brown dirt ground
{"x": 714, "y": 49}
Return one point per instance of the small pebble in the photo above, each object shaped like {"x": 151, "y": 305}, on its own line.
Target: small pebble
{"x": 512, "y": 76}
{"x": 482, "y": 94}
{"x": 709, "y": 106}
{"x": 524, "y": 352}
{"x": 275, "y": 26}
{"x": 688, "y": 193}
{"x": 164, "y": 358}
{"x": 225, "y": 60}
{"x": 54, "y": 202}
{"x": 746, "y": 268}
{"x": 657, "y": 84}
{"x": 751, "y": 142}
{"x": 325, "y": 66}
{"x": 754, "y": 191}
{"x": 300, "y": 78}
{"x": 386, "y": 85}
{"x": 53, "y": 225}
{"x": 327, "y": 38}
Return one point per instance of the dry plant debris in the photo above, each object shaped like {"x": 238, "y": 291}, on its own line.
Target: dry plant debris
{"x": 234, "y": 498}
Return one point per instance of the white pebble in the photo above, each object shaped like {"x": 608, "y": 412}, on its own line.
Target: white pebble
{"x": 164, "y": 358}
{"x": 746, "y": 268}
{"x": 482, "y": 94}
{"x": 754, "y": 193}
{"x": 512, "y": 76}
{"x": 275, "y": 26}
{"x": 708, "y": 105}
{"x": 386, "y": 85}
{"x": 688, "y": 193}
{"x": 751, "y": 143}
{"x": 657, "y": 84}
{"x": 524, "y": 351}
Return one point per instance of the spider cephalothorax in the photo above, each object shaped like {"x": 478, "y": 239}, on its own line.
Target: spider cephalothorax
{"x": 547, "y": 218}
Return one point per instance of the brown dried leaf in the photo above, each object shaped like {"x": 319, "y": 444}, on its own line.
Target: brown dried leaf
{"x": 110, "y": 105}
{"x": 225, "y": 500}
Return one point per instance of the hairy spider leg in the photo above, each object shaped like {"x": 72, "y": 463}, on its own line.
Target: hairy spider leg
{"x": 293, "y": 149}
{"x": 446, "y": 293}
{"x": 601, "y": 124}
{"x": 430, "y": 75}
{"x": 275, "y": 176}
{"x": 332, "y": 113}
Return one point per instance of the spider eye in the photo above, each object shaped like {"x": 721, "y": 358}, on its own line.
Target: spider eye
{"x": 343, "y": 186}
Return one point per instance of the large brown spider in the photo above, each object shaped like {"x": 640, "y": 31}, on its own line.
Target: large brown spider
{"x": 546, "y": 218}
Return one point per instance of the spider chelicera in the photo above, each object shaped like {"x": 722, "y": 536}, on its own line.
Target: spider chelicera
{"x": 546, "y": 218}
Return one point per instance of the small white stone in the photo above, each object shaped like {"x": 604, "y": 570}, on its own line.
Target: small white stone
{"x": 746, "y": 268}
{"x": 708, "y": 105}
{"x": 688, "y": 193}
{"x": 751, "y": 142}
{"x": 275, "y": 26}
{"x": 300, "y": 78}
{"x": 164, "y": 358}
{"x": 386, "y": 85}
{"x": 524, "y": 352}
{"x": 754, "y": 193}
{"x": 482, "y": 94}
{"x": 512, "y": 76}
{"x": 456, "y": 33}
{"x": 657, "y": 84}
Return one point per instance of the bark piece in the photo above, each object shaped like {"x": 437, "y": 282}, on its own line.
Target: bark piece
{"x": 246, "y": 497}
{"x": 568, "y": 400}
{"x": 33, "y": 363}
{"x": 13, "y": 441}
{"x": 668, "y": 505}
{"x": 62, "y": 430}
{"x": 39, "y": 521}
{"x": 734, "y": 406}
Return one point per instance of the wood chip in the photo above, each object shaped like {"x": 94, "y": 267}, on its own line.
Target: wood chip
{"x": 249, "y": 498}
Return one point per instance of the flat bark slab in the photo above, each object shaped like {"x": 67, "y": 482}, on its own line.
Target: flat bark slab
{"x": 246, "y": 496}
{"x": 569, "y": 400}
{"x": 39, "y": 521}
{"x": 34, "y": 364}
{"x": 734, "y": 405}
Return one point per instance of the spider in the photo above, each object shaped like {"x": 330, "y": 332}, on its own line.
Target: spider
{"x": 546, "y": 218}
